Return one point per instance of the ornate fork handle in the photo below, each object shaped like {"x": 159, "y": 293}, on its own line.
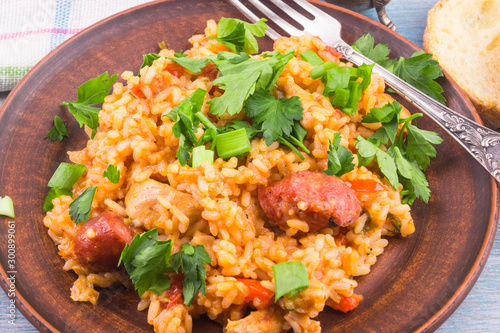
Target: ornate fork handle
{"x": 479, "y": 141}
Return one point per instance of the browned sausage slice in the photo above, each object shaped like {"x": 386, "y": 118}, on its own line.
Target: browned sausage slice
{"x": 100, "y": 242}
{"x": 312, "y": 197}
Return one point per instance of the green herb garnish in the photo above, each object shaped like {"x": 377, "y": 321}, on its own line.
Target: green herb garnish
{"x": 58, "y": 131}
{"x": 239, "y": 36}
{"x": 419, "y": 69}
{"x": 406, "y": 157}
{"x": 240, "y": 79}
{"x": 79, "y": 209}
{"x": 290, "y": 278}
{"x": 90, "y": 93}
{"x": 339, "y": 158}
{"x": 147, "y": 260}
{"x": 112, "y": 173}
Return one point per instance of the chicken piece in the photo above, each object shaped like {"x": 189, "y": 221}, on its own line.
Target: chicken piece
{"x": 268, "y": 320}
{"x": 310, "y": 196}
{"x": 100, "y": 242}
{"x": 142, "y": 201}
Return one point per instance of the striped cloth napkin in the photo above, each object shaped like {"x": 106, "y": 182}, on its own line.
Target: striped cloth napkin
{"x": 29, "y": 29}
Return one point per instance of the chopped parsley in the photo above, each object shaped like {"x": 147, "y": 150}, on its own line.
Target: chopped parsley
{"x": 194, "y": 65}
{"x": 240, "y": 76}
{"x": 190, "y": 259}
{"x": 239, "y": 36}
{"x": 186, "y": 124}
{"x": 112, "y": 173}
{"x": 419, "y": 69}
{"x": 79, "y": 209}
{"x": 90, "y": 93}
{"x": 339, "y": 158}
{"x": 148, "y": 260}
{"x": 58, "y": 131}
{"x": 275, "y": 117}
{"x": 406, "y": 157}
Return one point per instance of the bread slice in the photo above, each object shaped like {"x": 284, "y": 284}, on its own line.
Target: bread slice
{"x": 464, "y": 36}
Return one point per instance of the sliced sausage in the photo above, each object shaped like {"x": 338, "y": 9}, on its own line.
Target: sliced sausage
{"x": 100, "y": 242}
{"x": 312, "y": 197}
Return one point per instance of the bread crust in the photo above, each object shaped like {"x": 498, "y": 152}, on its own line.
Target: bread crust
{"x": 464, "y": 36}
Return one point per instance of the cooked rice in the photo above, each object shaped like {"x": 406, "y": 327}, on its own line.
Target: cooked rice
{"x": 134, "y": 136}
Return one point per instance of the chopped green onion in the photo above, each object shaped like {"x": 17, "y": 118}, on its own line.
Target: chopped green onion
{"x": 66, "y": 175}
{"x": 319, "y": 71}
{"x": 200, "y": 155}
{"x": 205, "y": 121}
{"x": 311, "y": 57}
{"x": 79, "y": 209}
{"x": 337, "y": 77}
{"x": 341, "y": 97}
{"x": 290, "y": 278}
{"x": 6, "y": 206}
{"x": 232, "y": 143}
{"x": 354, "y": 95}
{"x": 54, "y": 193}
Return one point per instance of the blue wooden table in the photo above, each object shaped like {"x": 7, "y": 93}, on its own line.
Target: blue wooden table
{"x": 480, "y": 312}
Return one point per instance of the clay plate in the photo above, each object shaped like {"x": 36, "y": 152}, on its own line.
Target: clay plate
{"x": 416, "y": 284}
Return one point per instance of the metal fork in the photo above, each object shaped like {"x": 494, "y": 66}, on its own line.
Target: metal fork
{"x": 481, "y": 142}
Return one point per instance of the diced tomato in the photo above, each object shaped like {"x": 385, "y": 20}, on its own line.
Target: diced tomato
{"x": 366, "y": 185}
{"x": 347, "y": 303}
{"x": 334, "y": 53}
{"x": 257, "y": 291}
{"x": 175, "y": 291}
{"x": 340, "y": 240}
{"x": 175, "y": 69}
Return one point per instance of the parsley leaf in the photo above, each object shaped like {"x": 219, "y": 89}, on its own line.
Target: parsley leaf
{"x": 59, "y": 131}
{"x": 180, "y": 54}
{"x": 190, "y": 259}
{"x": 339, "y": 158}
{"x": 147, "y": 260}
{"x": 150, "y": 266}
{"x": 239, "y": 80}
{"x": 238, "y": 35}
{"x": 147, "y": 60}
{"x": 275, "y": 116}
{"x": 139, "y": 243}
{"x": 186, "y": 124}
{"x": 236, "y": 125}
{"x": 378, "y": 53}
{"x": 90, "y": 93}
{"x": 411, "y": 154}
{"x": 388, "y": 115}
{"x": 194, "y": 65}
{"x": 79, "y": 209}
{"x": 419, "y": 148}
{"x": 419, "y": 69}
{"x": 54, "y": 192}
{"x": 112, "y": 174}
{"x": 367, "y": 151}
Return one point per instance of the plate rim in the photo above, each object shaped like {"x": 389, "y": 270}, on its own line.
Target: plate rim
{"x": 431, "y": 324}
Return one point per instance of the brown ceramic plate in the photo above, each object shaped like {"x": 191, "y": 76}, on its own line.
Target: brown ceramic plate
{"x": 416, "y": 284}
